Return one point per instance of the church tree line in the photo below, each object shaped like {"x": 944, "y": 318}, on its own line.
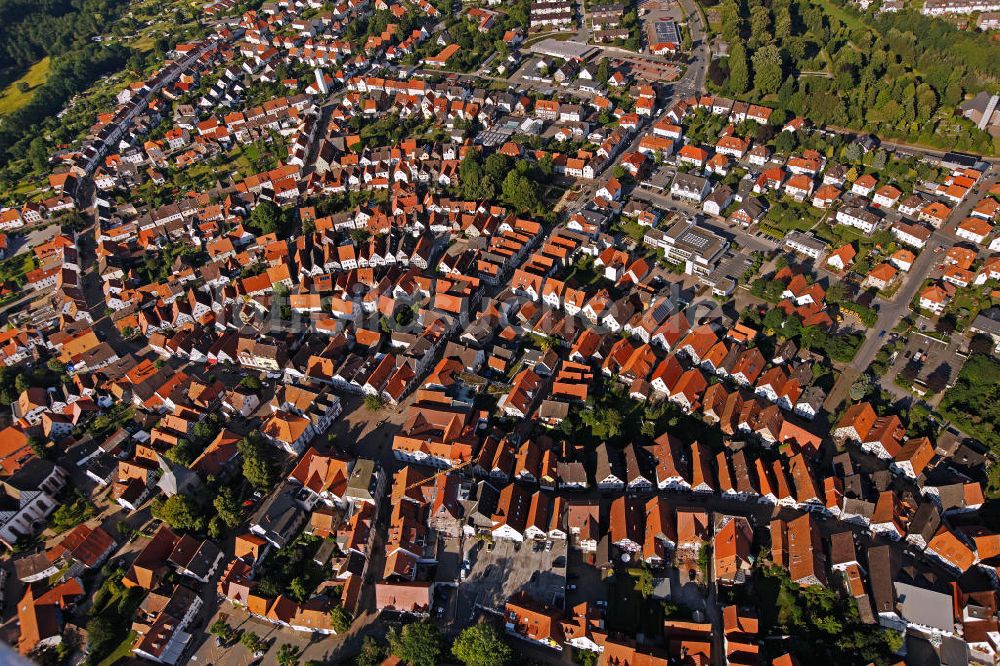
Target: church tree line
{"x": 896, "y": 75}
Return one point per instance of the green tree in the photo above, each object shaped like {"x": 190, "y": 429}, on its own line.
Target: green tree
{"x": 180, "y": 513}
{"x": 38, "y": 447}
{"x": 38, "y": 154}
{"x": 481, "y": 645}
{"x": 223, "y": 630}
{"x": 182, "y": 453}
{"x": 252, "y": 642}
{"x": 373, "y": 403}
{"x": 644, "y": 583}
{"x": 603, "y": 72}
{"x": 340, "y": 619}
{"x": 266, "y": 218}
{"x": 861, "y": 388}
{"x": 774, "y": 319}
{"x": 216, "y": 527}
{"x": 785, "y": 142}
{"x": 298, "y": 589}
{"x": 739, "y": 69}
{"x": 251, "y": 383}
{"x": 287, "y": 655}
{"x": 604, "y": 422}
{"x": 257, "y": 466}
{"x": 372, "y": 653}
{"x": 767, "y": 69}
{"x": 418, "y": 644}
{"x": 760, "y": 26}
{"x": 519, "y": 192}
{"x": 496, "y": 167}
{"x": 228, "y": 507}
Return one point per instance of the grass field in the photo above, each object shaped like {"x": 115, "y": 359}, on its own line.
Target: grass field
{"x": 12, "y": 99}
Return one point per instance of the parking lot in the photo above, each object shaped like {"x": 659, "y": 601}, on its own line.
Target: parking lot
{"x": 938, "y": 361}
{"x": 508, "y": 568}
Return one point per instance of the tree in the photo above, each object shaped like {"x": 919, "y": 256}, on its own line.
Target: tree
{"x": 605, "y": 423}
{"x": 222, "y": 629}
{"x": 373, "y": 403}
{"x": 418, "y": 644}
{"x": 853, "y": 152}
{"x": 38, "y": 154}
{"x": 481, "y": 645}
{"x": 774, "y": 319}
{"x": 760, "y": 25}
{"x": 180, "y": 513}
{"x": 644, "y": 584}
{"x": 252, "y": 642}
{"x": 603, "y": 71}
{"x": 520, "y": 193}
{"x": 251, "y": 383}
{"x": 182, "y": 453}
{"x": 767, "y": 69}
{"x": 861, "y": 388}
{"x": 496, "y": 167}
{"x": 227, "y": 507}
{"x": 298, "y": 589}
{"x": 785, "y": 142}
{"x": 340, "y": 619}
{"x": 37, "y": 446}
{"x": 216, "y": 527}
{"x": 287, "y": 655}
{"x": 257, "y": 466}
{"x": 372, "y": 653}
{"x": 266, "y": 218}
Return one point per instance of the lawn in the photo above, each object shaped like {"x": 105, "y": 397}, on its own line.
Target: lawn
{"x": 12, "y": 99}
{"x": 785, "y": 215}
{"x": 584, "y": 273}
{"x": 15, "y": 268}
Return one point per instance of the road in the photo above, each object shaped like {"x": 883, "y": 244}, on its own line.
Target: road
{"x": 693, "y": 81}
{"x": 890, "y": 312}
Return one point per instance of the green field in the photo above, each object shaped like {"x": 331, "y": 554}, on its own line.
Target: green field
{"x": 12, "y": 99}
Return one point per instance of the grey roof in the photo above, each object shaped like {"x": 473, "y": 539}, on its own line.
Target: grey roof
{"x": 925, "y": 521}
{"x": 279, "y": 518}
{"x": 919, "y": 605}
{"x": 177, "y": 479}
{"x": 363, "y": 479}
{"x": 988, "y": 322}
{"x": 805, "y": 240}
